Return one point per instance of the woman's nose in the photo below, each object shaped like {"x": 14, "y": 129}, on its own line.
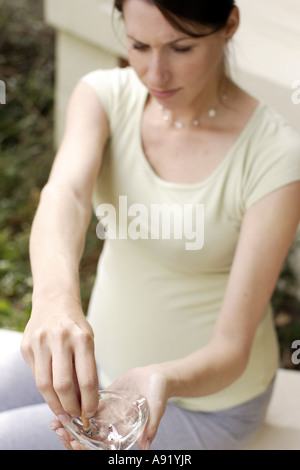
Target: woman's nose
{"x": 158, "y": 70}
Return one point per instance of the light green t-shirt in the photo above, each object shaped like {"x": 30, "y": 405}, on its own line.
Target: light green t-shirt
{"x": 157, "y": 295}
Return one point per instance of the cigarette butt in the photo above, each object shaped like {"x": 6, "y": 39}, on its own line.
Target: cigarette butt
{"x": 86, "y": 423}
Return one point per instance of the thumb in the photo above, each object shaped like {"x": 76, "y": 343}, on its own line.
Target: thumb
{"x": 144, "y": 442}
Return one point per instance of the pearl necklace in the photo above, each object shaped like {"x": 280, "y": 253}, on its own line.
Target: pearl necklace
{"x": 196, "y": 122}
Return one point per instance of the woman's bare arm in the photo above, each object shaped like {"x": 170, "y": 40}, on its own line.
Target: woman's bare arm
{"x": 268, "y": 230}
{"x": 58, "y": 341}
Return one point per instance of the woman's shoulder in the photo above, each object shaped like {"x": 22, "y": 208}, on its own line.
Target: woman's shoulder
{"x": 119, "y": 89}
{"x": 266, "y": 126}
{"x": 272, "y": 156}
{"x": 114, "y": 78}
{"x": 271, "y": 131}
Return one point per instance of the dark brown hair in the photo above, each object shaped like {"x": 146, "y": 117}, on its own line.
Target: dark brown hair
{"x": 188, "y": 15}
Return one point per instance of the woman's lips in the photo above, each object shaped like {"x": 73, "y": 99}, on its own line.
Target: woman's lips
{"x": 161, "y": 95}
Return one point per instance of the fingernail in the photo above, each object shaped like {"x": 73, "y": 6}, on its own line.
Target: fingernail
{"x": 60, "y": 433}
{"x": 147, "y": 445}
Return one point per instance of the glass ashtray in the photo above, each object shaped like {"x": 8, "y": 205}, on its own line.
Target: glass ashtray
{"x": 118, "y": 423}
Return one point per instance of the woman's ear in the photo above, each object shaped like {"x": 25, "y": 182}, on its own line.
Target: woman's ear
{"x": 233, "y": 23}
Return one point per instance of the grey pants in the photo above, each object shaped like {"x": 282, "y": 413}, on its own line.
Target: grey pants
{"x": 25, "y": 418}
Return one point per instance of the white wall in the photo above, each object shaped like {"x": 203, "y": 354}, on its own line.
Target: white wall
{"x": 265, "y": 58}
{"x": 266, "y": 52}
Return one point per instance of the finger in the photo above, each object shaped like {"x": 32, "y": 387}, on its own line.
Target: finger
{"x": 63, "y": 382}
{"x": 144, "y": 441}
{"x": 154, "y": 418}
{"x": 75, "y": 445}
{"x": 87, "y": 378}
{"x": 65, "y": 438}
{"x": 144, "y": 444}
{"x": 44, "y": 380}
{"x": 55, "y": 424}
{"x": 59, "y": 421}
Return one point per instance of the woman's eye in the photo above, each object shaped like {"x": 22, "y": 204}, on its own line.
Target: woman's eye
{"x": 182, "y": 49}
{"x": 140, "y": 47}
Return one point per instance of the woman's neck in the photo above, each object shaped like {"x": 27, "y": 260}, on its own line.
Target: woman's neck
{"x": 205, "y": 108}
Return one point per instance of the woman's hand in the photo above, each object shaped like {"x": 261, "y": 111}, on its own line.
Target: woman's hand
{"x": 58, "y": 346}
{"x": 151, "y": 382}
{"x": 147, "y": 381}
{"x": 68, "y": 441}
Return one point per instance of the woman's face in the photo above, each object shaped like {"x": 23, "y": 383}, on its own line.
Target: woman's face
{"x": 175, "y": 67}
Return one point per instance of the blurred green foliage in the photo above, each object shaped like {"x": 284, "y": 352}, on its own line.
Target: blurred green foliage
{"x": 27, "y": 66}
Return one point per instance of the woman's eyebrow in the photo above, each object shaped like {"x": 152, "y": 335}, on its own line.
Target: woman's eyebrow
{"x": 184, "y": 38}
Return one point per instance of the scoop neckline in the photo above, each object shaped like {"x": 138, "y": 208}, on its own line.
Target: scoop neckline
{"x": 214, "y": 173}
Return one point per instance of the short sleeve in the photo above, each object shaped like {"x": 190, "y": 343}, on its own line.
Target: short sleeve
{"x": 101, "y": 82}
{"x": 274, "y": 160}
{"x": 118, "y": 90}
